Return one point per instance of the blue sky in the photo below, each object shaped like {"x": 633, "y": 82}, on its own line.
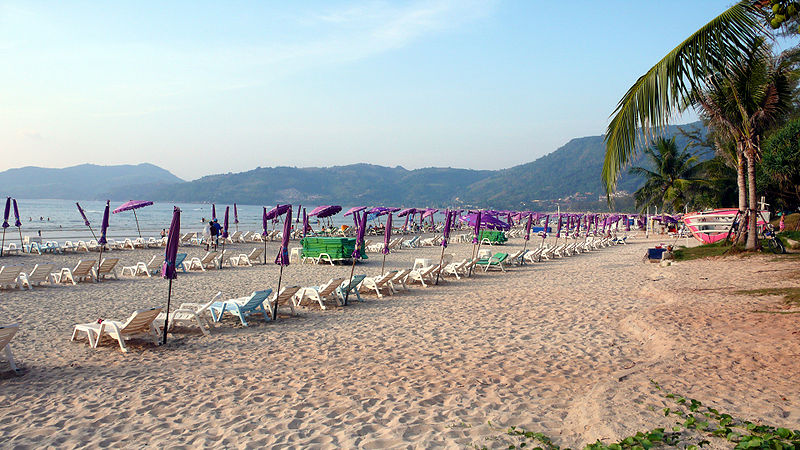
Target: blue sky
{"x": 210, "y": 87}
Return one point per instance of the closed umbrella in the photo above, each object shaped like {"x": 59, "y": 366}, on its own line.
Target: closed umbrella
{"x": 476, "y": 239}
{"x": 224, "y": 236}
{"x": 168, "y": 269}
{"x": 236, "y": 217}
{"x": 306, "y": 227}
{"x": 448, "y": 220}
{"x": 362, "y": 226}
{"x": 133, "y": 205}
{"x": 528, "y": 230}
{"x": 265, "y": 224}
{"x": 103, "y": 232}
{"x": 85, "y": 220}
{"x": 17, "y": 223}
{"x": 213, "y": 212}
{"x": 5, "y": 223}
{"x": 387, "y": 236}
{"x": 282, "y": 259}
{"x": 544, "y": 233}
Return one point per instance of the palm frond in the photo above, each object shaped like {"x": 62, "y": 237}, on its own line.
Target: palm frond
{"x": 648, "y": 105}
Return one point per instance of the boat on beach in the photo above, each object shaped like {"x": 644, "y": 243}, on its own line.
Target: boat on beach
{"x": 713, "y": 225}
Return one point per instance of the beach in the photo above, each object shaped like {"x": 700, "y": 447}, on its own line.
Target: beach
{"x": 567, "y": 347}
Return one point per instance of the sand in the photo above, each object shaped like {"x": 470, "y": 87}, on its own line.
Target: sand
{"x": 567, "y": 347}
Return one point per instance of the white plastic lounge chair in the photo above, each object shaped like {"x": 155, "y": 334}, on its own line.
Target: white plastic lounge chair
{"x": 209, "y": 261}
{"x": 144, "y": 269}
{"x": 423, "y": 275}
{"x": 139, "y": 325}
{"x": 246, "y": 259}
{"x": 187, "y": 316}
{"x": 11, "y": 248}
{"x": 10, "y": 277}
{"x": 455, "y": 269}
{"x": 284, "y": 298}
{"x": 399, "y": 280}
{"x": 41, "y": 273}
{"x": 378, "y": 283}
{"x": 84, "y": 270}
{"x": 108, "y": 267}
{"x": 318, "y": 293}
{"x": 7, "y": 333}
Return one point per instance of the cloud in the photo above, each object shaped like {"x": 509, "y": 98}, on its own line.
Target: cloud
{"x": 31, "y": 134}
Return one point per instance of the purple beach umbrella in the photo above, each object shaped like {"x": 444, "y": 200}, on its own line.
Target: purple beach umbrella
{"x": 168, "y": 269}
{"x": 85, "y": 220}
{"x": 213, "y": 212}
{"x": 362, "y": 226}
{"x": 133, "y": 205}
{"x": 325, "y": 211}
{"x": 354, "y": 210}
{"x": 528, "y": 229}
{"x": 236, "y": 217}
{"x": 306, "y": 227}
{"x": 278, "y": 211}
{"x": 5, "y": 224}
{"x": 448, "y": 221}
{"x": 476, "y": 237}
{"x": 282, "y": 258}
{"x": 17, "y": 223}
{"x": 265, "y": 224}
{"x": 103, "y": 232}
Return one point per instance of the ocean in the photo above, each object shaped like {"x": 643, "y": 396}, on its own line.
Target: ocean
{"x": 60, "y": 219}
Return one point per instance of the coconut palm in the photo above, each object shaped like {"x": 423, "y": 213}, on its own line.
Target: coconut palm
{"x": 665, "y": 89}
{"x": 741, "y": 104}
{"x": 675, "y": 174}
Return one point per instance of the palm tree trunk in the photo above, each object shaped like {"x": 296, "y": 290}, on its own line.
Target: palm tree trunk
{"x": 751, "y": 191}
{"x": 742, "y": 187}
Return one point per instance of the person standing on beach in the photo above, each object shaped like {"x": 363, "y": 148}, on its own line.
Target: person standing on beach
{"x": 207, "y": 234}
{"x": 215, "y": 229}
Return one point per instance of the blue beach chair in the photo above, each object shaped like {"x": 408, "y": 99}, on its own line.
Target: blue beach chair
{"x": 352, "y": 287}
{"x": 242, "y": 307}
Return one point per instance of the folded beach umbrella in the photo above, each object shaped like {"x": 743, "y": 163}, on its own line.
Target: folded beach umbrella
{"x": 282, "y": 258}
{"x": 306, "y": 227}
{"x": 133, "y": 205}
{"x": 103, "y": 232}
{"x": 236, "y": 217}
{"x": 486, "y": 220}
{"x": 17, "y": 223}
{"x": 448, "y": 221}
{"x": 476, "y": 238}
{"x": 528, "y": 230}
{"x": 213, "y": 212}
{"x": 85, "y": 220}
{"x": 224, "y": 235}
{"x": 362, "y": 226}
{"x": 297, "y": 219}
{"x": 169, "y": 269}
{"x": 265, "y": 225}
{"x": 5, "y": 223}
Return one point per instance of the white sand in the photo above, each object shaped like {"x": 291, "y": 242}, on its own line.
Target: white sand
{"x": 565, "y": 347}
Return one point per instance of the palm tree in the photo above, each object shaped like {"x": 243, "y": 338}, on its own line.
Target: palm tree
{"x": 740, "y": 105}
{"x": 665, "y": 89}
{"x": 674, "y": 177}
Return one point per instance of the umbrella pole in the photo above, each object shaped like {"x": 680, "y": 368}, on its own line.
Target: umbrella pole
{"x": 542, "y": 245}
{"x": 383, "y": 264}
{"x": 93, "y": 235}
{"x": 222, "y": 256}
{"x": 99, "y": 260}
{"x": 21, "y": 245}
{"x": 473, "y": 257}
{"x": 265, "y": 251}
{"x": 3, "y": 245}
{"x": 352, "y": 270}
{"x": 166, "y": 319}
{"x": 274, "y": 308}
{"x": 137, "y": 223}
{"x": 441, "y": 259}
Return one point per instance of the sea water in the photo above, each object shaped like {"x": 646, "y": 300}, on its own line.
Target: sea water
{"x": 60, "y": 219}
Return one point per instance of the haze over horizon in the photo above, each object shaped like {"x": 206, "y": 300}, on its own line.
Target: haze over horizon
{"x": 211, "y": 88}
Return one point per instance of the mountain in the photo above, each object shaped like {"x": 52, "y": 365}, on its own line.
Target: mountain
{"x": 572, "y": 169}
{"x": 85, "y": 181}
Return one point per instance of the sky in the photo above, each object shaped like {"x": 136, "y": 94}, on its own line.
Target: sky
{"x": 215, "y": 87}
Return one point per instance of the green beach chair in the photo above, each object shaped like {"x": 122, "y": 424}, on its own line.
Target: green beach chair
{"x": 351, "y": 287}
{"x": 495, "y": 261}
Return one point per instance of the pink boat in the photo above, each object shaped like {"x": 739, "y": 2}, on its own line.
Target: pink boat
{"x": 713, "y": 226}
